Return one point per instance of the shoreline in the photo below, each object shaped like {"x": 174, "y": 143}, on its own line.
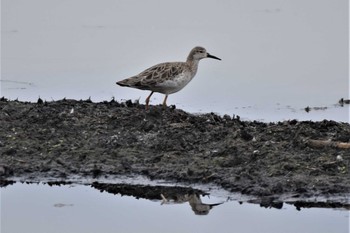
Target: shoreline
{"x": 66, "y": 138}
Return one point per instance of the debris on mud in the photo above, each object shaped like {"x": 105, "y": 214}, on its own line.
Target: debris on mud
{"x": 67, "y": 138}
{"x": 340, "y": 103}
{"x": 154, "y": 192}
{"x": 308, "y": 109}
{"x": 343, "y": 101}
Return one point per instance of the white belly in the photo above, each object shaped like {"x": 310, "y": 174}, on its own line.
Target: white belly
{"x": 174, "y": 85}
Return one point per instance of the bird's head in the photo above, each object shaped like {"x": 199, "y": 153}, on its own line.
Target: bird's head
{"x": 198, "y": 53}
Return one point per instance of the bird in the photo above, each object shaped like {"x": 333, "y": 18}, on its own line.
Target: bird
{"x": 194, "y": 199}
{"x": 169, "y": 77}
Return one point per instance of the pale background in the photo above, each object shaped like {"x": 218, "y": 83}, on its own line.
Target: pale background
{"x": 278, "y": 56}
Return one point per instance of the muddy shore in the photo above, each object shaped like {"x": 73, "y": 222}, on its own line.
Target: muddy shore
{"x": 271, "y": 161}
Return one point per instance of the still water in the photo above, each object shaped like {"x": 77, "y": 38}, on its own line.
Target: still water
{"x": 40, "y": 208}
{"x": 278, "y": 57}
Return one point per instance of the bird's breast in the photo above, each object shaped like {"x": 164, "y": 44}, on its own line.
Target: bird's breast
{"x": 175, "y": 84}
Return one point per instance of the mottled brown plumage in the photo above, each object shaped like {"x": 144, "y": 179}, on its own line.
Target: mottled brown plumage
{"x": 169, "y": 77}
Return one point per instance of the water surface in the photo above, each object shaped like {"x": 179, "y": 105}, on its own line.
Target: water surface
{"x": 77, "y": 208}
{"x": 278, "y": 57}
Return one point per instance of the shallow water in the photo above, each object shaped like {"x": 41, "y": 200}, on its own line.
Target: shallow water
{"x": 273, "y": 65}
{"x": 77, "y": 208}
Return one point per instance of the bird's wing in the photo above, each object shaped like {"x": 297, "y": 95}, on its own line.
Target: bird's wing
{"x": 159, "y": 73}
{"x": 154, "y": 75}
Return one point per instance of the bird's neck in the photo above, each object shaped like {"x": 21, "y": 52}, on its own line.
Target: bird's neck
{"x": 193, "y": 63}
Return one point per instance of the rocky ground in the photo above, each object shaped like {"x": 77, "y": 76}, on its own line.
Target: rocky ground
{"x": 270, "y": 161}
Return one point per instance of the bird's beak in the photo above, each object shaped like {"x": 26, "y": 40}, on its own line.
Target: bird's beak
{"x": 211, "y": 56}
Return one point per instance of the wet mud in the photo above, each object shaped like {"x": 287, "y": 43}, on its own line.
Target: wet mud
{"x": 273, "y": 162}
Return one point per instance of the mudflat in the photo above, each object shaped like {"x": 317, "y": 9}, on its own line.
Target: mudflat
{"x": 271, "y": 161}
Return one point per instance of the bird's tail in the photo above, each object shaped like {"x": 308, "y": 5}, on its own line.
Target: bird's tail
{"x": 130, "y": 82}
{"x": 123, "y": 83}
{"x": 120, "y": 83}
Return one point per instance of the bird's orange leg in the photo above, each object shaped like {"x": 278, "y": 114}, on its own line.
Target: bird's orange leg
{"x": 164, "y": 102}
{"x": 147, "y": 100}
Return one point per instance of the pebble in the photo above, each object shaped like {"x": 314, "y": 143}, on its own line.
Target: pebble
{"x": 339, "y": 158}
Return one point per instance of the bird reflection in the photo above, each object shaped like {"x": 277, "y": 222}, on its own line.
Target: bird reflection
{"x": 194, "y": 199}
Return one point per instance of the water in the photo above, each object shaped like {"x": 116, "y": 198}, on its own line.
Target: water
{"x": 276, "y": 58}
{"x": 77, "y": 208}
